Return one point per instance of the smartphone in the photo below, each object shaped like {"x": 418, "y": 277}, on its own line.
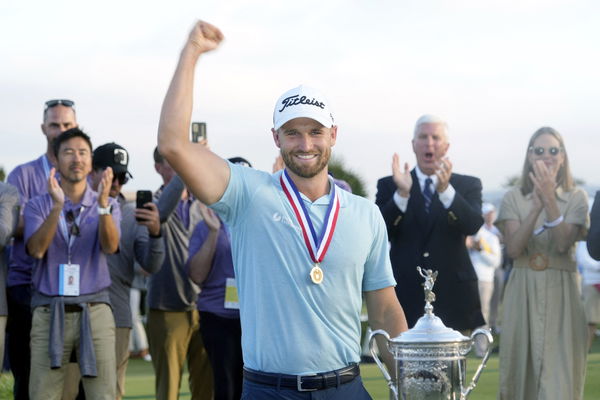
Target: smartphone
{"x": 142, "y": 197}
{"x": 198, "y": 131}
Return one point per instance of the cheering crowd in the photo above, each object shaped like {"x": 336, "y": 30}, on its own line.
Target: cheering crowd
{"x": 257, "y": 279}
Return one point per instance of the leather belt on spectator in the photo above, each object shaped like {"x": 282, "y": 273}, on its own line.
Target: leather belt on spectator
{"x": 304, "y": 383}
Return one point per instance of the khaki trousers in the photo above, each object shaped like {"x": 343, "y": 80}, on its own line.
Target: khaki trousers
{"x": 46, "y": 383}
{"x": 73, "y": 375}
{"x": 122, "y": 356}
{"x": 174, "y": 337}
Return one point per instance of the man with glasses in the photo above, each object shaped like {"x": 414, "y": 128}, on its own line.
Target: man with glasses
{"x": 141, "y": 241}
{"x": 31, "y": 180}
{"x": 70, "y": 230}
{"x": 429, "y": 212}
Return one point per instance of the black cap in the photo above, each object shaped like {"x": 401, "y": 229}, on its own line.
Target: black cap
{"x": 111, "y": 155}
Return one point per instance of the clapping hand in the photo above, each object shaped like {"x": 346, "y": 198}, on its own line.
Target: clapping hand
{"x": 55, "y": 191}
{"x": 443, "y": 173}
{"x": 104, "y": 187}
{"x": 544, "y": 181}
{"x": 402, "y": 177}
{"x": 210, "y": 217}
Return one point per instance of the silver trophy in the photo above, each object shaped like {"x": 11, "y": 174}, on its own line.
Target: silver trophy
{"x": 430, "y": 358}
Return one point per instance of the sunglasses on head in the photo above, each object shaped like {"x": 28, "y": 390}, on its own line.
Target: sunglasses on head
{"x": 62, "y": 102}
{"x": 539, "y": 151}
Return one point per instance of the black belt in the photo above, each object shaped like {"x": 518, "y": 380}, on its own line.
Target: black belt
{"x": 71, "y": 308}
{"x": 304, "y": 383}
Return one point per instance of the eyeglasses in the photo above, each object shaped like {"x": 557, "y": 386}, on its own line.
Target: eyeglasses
{"x": 539, "y": 151}
{"x": 70, "y": 217}
{"x": 62, "y": 102}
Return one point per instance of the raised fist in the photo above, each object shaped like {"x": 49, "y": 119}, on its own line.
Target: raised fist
{"x": 205, "y": 37}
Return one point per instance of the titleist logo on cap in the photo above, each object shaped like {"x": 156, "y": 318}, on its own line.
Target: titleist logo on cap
{"x": 296, "y": 99}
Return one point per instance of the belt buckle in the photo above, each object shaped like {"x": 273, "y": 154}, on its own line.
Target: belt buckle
{"x": 538, "y": 262}
{"x": 299, "y": 383}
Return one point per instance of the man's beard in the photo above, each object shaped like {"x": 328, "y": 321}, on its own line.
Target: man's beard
{"x": 306, "y": 171}
{"x": 72, "y": 177}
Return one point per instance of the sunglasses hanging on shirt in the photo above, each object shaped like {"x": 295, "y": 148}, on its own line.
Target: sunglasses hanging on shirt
{"x": 70, "y": 217}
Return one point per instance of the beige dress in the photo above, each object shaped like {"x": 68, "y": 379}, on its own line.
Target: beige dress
{"x": 544, "y": 334}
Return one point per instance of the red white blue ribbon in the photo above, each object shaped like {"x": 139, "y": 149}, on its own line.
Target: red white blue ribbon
{"x": 317, "y": 245}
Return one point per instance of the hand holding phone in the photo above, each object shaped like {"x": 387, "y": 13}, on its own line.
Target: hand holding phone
{"x": 141, "y": 198}
{"x": 198, "y": 131}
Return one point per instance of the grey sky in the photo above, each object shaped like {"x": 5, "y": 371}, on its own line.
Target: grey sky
{"x": 495, "y": 70}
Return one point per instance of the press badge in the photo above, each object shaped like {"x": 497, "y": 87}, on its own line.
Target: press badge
{"x": 68, "y": 280}
{"x": 231, "y": 295}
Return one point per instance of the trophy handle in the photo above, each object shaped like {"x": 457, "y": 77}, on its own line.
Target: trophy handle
{"x": 490, "y": 340}
{"x": 386, "y": 375}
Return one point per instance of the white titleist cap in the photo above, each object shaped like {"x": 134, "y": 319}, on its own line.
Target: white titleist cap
{"x": 302, "y": 102}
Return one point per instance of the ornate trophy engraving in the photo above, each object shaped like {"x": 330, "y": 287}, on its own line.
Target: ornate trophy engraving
{"x": 430, "y": 358}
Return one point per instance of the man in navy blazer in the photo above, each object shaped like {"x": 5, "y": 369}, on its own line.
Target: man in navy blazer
{"x": 429, "y": 212}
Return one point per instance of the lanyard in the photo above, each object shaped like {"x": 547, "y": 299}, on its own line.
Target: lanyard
{"x": 70, "y": 239}
{"x": 317, "y": 245}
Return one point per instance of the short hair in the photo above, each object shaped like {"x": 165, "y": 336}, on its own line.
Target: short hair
{"x": 564, "y": 178}
{"x": 430, "y": 119}
{"x": 68, "y": 135}
{"x": 158, "y": 158}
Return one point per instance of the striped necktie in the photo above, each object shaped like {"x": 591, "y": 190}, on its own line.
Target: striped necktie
{"x": 428, "y": 193}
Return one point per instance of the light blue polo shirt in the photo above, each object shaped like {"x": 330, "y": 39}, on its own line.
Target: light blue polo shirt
{"x": 289, "y": 324}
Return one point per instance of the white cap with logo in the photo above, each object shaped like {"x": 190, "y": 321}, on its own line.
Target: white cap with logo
{"x": 302, "y": 102}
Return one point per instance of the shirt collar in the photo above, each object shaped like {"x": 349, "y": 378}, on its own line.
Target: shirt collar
{"x": 421, "y": 176}
{"x": 325, "y": 198}
{"x": 88, "y": 199}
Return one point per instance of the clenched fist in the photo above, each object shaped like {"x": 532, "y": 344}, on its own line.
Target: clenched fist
{"x": 205, "y": 37}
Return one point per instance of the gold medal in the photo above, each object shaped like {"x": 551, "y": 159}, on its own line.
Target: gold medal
{"x": 316, "y": 274}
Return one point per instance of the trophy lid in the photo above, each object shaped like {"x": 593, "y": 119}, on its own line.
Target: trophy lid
{"x": 430, "y": 328}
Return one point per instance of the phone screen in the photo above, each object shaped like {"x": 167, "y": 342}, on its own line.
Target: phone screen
{"x": 198, "y": 131}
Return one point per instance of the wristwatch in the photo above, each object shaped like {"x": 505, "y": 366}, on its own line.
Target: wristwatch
{"x": 105, "y": 210}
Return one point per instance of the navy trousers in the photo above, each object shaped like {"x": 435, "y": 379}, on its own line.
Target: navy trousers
{"x": 222, "y": 339}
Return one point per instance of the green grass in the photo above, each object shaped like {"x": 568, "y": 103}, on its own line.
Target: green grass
{"x": 140, "y": 380}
